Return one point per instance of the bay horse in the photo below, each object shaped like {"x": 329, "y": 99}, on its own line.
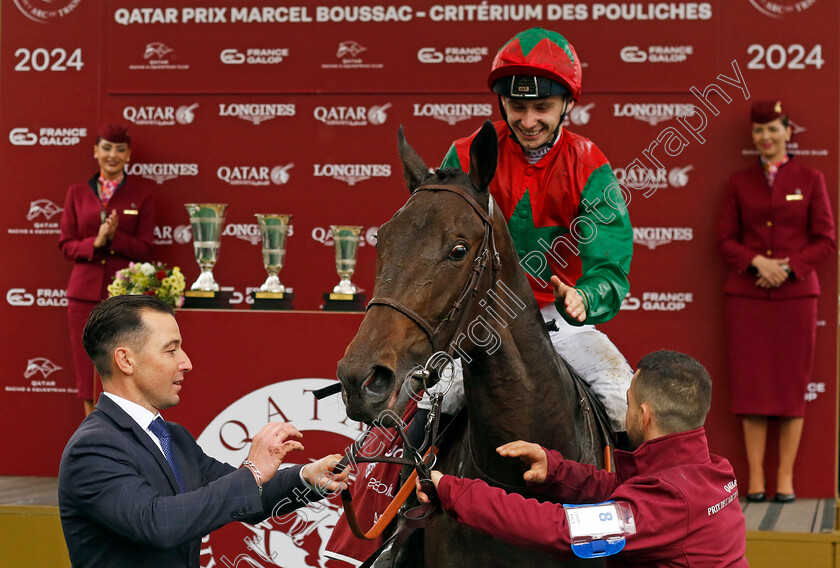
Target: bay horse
{"x": 448, "y": 276}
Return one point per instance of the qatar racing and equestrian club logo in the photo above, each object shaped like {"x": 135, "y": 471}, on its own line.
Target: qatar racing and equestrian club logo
{"x": 298, "y": 539}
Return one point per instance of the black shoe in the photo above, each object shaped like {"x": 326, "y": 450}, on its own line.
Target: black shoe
{"x": 785, "y": 497}
{"x": 757, "y": 497}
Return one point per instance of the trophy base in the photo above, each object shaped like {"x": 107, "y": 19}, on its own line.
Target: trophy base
{"x": 199, "y": 299}
{"x": 344, "y": 302}
{"x": 272, "y": 300}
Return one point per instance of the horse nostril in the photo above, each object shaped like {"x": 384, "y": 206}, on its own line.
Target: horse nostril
{"x": 380, "y": 381}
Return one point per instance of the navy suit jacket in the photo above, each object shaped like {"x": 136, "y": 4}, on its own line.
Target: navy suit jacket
{"x": 120, "y": 504}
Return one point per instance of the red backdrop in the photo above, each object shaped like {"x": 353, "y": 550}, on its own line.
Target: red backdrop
{"x": 222, "y": 95}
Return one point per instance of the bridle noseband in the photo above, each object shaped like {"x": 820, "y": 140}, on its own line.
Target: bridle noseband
{"x": 487, "y": 253}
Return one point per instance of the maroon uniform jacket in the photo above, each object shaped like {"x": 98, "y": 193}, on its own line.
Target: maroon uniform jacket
{"x": 94, "y": 268}
{"x": 684, "y": 500}
{"x": 792, "y": 220}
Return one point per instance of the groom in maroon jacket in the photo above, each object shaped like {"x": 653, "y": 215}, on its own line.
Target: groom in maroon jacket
{"x": 682, "y": 500}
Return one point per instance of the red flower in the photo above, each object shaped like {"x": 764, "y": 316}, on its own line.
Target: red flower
{"x": 160, "y": 274}
{"x": 149, "y": 292}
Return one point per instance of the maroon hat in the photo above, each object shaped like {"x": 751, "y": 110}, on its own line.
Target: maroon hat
{"x": 116, "y": 133}
{"x": 763, "y": 112}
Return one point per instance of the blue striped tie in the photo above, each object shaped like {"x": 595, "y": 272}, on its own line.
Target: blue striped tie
{"x": 161, "y": 430}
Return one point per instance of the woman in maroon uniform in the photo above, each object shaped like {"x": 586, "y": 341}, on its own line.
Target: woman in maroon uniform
{"x": 106, "y": 223}
{"x": 775, "y": 227}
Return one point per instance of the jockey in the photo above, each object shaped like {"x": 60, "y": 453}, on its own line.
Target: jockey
{"x": 564, "y": 209}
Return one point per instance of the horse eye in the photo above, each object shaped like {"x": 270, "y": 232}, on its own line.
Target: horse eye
{"x": 458, "y": 252}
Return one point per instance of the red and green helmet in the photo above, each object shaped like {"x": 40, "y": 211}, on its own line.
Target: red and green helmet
{"x": 536, "y": 63}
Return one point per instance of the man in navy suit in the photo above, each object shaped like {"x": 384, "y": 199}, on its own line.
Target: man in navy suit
{"x": 137, "y": 491}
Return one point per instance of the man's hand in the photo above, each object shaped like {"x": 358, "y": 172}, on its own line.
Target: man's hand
{"x": 422, "y": 497}
{"x": 571, "y": 298}
{"x": 532, "y": 455}
{"x": 270, "y": 446}
{"x": 320, "y": 474}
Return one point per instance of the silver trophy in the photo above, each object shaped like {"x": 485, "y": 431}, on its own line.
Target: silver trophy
{"x": 207, "y": 220}
{"x": 346, "y": 239}
{"x": 273, "y": 230}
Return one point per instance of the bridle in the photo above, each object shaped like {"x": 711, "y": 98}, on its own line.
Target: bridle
{"x": 487, "y": 253}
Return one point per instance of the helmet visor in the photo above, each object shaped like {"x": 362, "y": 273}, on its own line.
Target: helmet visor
{"x": 528, "y": 87}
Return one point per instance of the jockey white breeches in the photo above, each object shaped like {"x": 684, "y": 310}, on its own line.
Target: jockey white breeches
{"x": 588, "y": 351}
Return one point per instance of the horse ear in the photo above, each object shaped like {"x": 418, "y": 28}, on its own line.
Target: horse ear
{"x": 484, "y": 156}
{"x": 415, "y": 169}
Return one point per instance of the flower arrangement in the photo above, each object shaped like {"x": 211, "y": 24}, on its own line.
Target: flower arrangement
{"x": 151, "y": 279}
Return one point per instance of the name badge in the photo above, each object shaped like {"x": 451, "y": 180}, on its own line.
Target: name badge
{"x": 794, "y": 197}
{"x": 130, "y": 212}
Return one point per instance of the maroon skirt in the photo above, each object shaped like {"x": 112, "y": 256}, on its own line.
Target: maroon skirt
{"x": 771, "y": 354}
{"x": 77, "y": 313}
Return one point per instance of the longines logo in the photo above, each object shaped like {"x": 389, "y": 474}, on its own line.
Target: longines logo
{"x": 254, "y": 175}
{"x": 256, "y": 113}
{"x": 249, "y": 232}
{"x": 160, "y": 115}
{"x": 652, "y": 113}
{"x": 43, "y": 11}
{"x": 299, "y": 538}
{"x": 160, "y": 173}
{"x": 21, "y": 136}
{"x": 778, "y": 9}
{"x": 352, "y": 116}
{"x": 46, "y": 297}
{"x": 452, "y": 113}
{"x": 158, "y": 55}
{"x": 652, "y": 237}
{"x": 352, "y": 174}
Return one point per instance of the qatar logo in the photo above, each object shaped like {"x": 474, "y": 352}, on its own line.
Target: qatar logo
{"x": 299, "y": 538}
{"x": 40, "y": 365}
{"x": 579, "y": 115}
{"x": 43, "y": 207}
{"x": 352, "y": 116}
{"x": 43, "y": 11}
{"x": 778, "y": 9}
{"x": 160, "y": 115}
{"x": 254, "y": 175}
{"x": 349, "y": 49}
{"x": 167, "y": 234}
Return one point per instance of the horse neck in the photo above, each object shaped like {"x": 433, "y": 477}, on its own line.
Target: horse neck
{"x": 520, "y": 389}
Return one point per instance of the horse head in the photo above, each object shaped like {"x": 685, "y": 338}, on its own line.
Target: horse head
{"x": 425, "y": 256}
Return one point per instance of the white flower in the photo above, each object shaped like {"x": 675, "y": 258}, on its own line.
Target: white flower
{"x": 147, "y": 269}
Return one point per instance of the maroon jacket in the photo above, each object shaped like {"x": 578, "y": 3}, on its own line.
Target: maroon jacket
{"x": 684, "y": 500}
{"x": 94, "y": 268}
{"x": 793, "y": 220}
